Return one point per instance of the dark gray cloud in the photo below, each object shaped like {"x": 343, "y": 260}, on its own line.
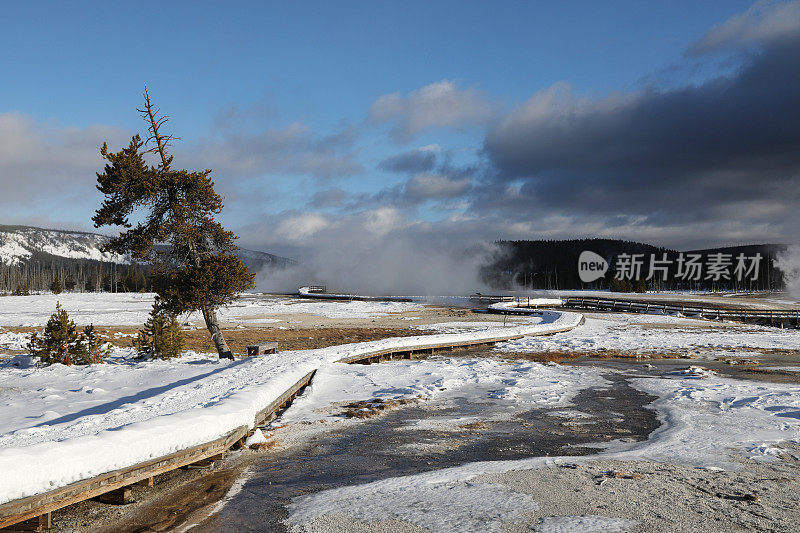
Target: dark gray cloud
{"x": 438, "y": 188}
{"x": 333, "y": 197}
{"x": 423, "y": 187}
{"x": 726, "y": 152}
{"x": 410, "y": 162}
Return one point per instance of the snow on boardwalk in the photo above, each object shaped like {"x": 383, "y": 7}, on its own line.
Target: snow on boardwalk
{"x": 59, "y": 424}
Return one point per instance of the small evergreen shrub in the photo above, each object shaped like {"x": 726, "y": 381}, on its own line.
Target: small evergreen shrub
{"x": 90, "y": 348}
{"x": 618, "y": 285}
{"x": 161, "y": 337}
{"x": 22, "y": 290}
{"x": 55, "y": 287}
{"x": 60, "y": 342}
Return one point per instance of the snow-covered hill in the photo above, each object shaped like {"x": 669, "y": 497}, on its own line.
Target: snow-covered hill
{"x": 22, "y": 244}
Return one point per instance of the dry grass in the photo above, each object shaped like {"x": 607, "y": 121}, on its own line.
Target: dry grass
{"x": 260, "y": 446}
{"x": 737, "y": 361}
{"x": 374, "y": 407}
{"x": 293, "y": 339}
{"x": 287, "y": 339}
{"x": 621, "y": 474}
{"x": 475, "y": 426}
{"x": 561, "y": 356}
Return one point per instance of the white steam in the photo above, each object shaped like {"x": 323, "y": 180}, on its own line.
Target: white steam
{"x": 788, "y": 262}
{"x": 397, "y": 266}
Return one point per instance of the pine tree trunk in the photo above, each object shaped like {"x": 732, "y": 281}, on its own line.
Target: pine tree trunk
{"x": 216, "y": 334}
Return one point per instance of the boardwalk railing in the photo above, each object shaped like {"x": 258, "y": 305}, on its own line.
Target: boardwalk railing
{"x": 780, "y": 317}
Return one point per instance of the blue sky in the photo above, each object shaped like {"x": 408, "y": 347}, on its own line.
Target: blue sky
{"x": 297, "y": 106}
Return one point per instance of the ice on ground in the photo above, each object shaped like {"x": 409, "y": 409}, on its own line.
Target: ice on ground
{"x": 453, "y": 423}
{"x": 529, "y": 385}
{"x": 584, "y": 524}
{"x": 570, "y": 414}
{"x": 647, "y": 333}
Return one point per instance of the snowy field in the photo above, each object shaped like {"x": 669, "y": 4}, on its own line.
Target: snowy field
{"x": 658, "y": 334}
{"x": 62, "y": 424}
{"x": 131, "y": 309}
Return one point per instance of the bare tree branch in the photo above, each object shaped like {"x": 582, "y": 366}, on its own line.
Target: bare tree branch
{"x": 150, "y": 115}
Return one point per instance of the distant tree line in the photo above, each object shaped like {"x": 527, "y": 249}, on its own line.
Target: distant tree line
{"x": 553, "y": 265}
{"x": 73, "y": 275}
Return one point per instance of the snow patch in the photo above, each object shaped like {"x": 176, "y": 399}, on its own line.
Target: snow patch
{"x": 647, "y": 333}
{"x": 256, "y": 438}
{"x": 584, "y": 524}
{"x": 525, "y": 384}
{"x": 448, "y": 506}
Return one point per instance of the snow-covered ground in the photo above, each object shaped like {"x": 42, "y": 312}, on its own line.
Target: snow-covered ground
{"x": 457, "y": 327}
{"x": 62, "y": 424}
{"x": 707, "y": 421}
{"x": 704, "y": 422}
{"x": 131, "y": 309}
{"x": 526, "y": 385}
{"x": 650, "y": 333}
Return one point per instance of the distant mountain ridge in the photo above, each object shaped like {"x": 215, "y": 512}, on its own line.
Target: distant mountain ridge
{"x": 21, "y": 245}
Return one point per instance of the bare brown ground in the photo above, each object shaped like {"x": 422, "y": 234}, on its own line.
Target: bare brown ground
{"x": 295, "y": 339}
{"x": 287, "y": 339}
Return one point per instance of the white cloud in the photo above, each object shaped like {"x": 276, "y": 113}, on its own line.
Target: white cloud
{"x": 44, "y": 161}
{"x": 300, "y": 228}
{"x": 430, "y": 148}
{"x": 764, "y": 21}
{"x": 438, "y": 105}
{"x": 295, "y": 149}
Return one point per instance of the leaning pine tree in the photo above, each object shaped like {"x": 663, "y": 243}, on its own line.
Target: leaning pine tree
{"x": 192, "y": 255}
